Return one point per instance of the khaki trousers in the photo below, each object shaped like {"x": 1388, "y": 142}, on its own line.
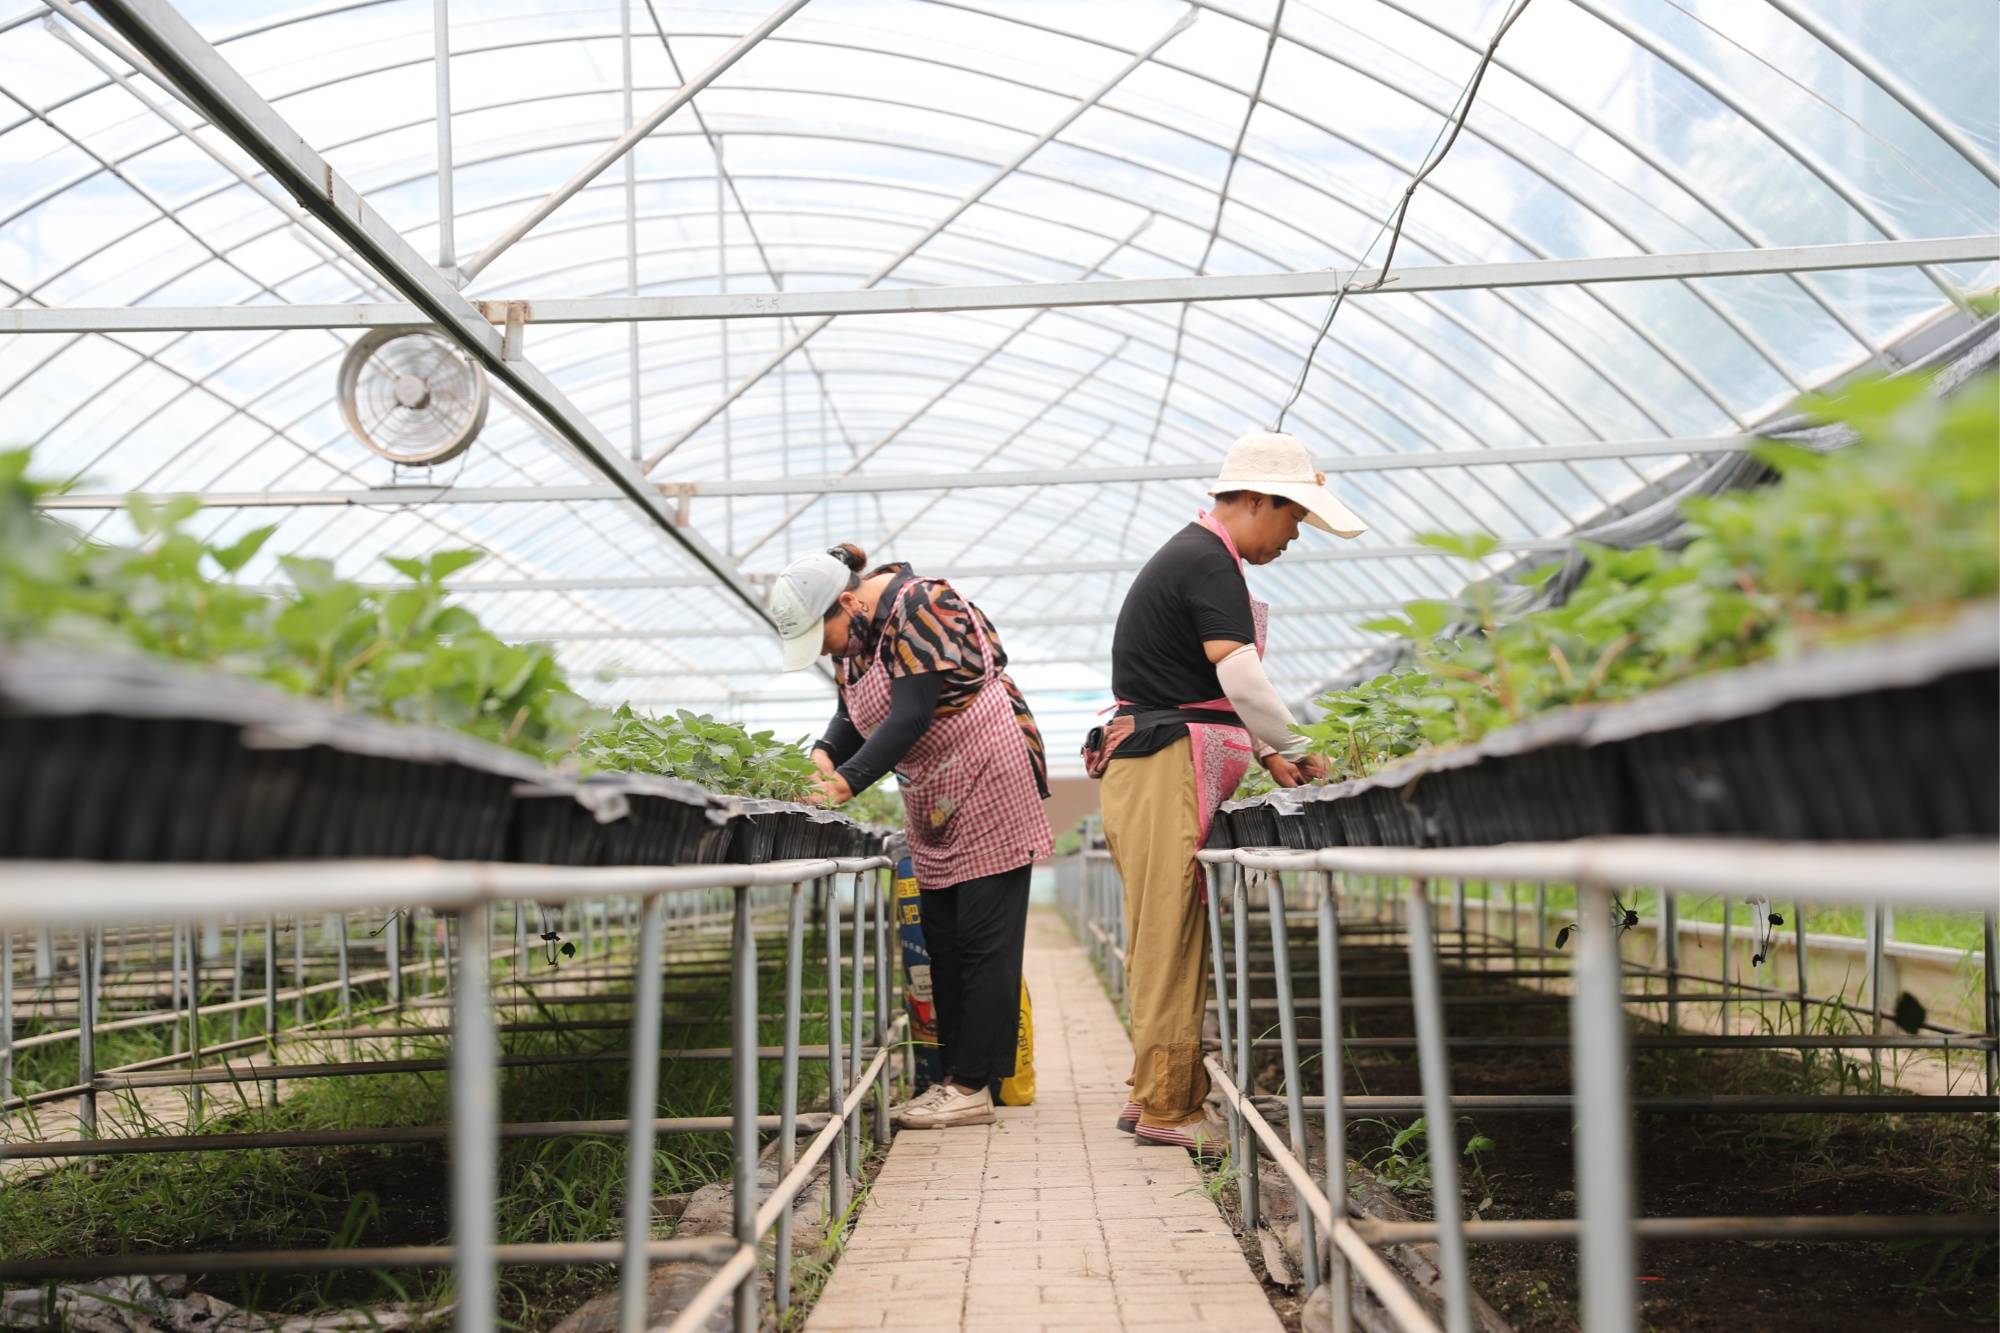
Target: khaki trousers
{"x": 1150, "y": 821}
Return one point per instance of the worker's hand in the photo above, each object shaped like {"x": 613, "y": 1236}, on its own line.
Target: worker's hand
{"x": 1313, "y": 766}
{"x": 823, "y": 762}
{"x": 832, "y": 790}
{"x": 1282, "y": 770}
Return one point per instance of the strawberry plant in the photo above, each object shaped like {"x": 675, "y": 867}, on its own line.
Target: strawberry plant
{"x": 720, "y": 756}
{"x": 1895, "y": 531}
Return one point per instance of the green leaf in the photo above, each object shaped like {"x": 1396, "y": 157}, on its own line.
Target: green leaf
{"x": 446, "y": 563}
{"x": 1465, "y": 545}
{"x": 240, "y": 552}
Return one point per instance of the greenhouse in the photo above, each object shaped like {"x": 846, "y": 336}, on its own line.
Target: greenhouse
{"x": 999, "y": 665}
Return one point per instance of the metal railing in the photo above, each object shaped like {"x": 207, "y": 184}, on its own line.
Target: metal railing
{"x": 77, "y": 913}
{"x": 1381, "y": 898}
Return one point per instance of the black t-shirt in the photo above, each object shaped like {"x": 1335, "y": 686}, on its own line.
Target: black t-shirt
{"x": 1189, "y": 592}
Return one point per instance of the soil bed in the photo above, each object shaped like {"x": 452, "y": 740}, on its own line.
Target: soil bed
{"x": 1796, "y": 1165}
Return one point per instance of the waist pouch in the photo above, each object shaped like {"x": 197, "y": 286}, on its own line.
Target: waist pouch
{"x": 1102, "y": 742}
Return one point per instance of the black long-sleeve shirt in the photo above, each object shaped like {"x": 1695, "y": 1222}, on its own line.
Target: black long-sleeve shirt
{"x": 863, "y": 762}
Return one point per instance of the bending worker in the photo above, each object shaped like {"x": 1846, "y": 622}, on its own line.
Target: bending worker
{"x": 1187, "y": 669}
{"x": 924, "y": 691}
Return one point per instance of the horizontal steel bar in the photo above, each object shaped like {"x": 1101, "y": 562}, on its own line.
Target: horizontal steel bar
{"x": 868, "y": 484}
{"x": 1537, "y": 1231}
{"x": 368, "y": 1068}
{"x": 358, "y": 1138}
{"x": 709, "y": 1249}
{"x": 1704, "y": 1042}
{"x": 1714, "y": 1104}
{"x": 1360, "y": 284}
{"x": 93, "y": 892}
{"x": 1945, "y": 874}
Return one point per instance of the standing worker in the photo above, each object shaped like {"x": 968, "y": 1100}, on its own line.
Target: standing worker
{"x": 924, "y": 691}
{"x": 1194, "y": 707}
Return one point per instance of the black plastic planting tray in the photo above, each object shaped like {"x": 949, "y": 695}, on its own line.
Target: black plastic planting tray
{"x": 616, "y": 819}
{"x": 1887, "y": 740}
{"x": 129, "y": 759}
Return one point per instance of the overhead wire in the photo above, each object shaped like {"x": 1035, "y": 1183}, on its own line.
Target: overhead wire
{"x": 1441, "y": 145}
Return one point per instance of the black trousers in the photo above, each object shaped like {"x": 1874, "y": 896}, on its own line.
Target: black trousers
{"x": 975, "y": 931}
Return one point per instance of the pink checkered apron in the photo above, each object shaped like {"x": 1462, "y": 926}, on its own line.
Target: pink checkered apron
{"x": 970, "y": 803}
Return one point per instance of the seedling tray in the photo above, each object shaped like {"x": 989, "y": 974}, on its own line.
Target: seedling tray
{"x": 132, "y": 759}
{"x": 1886, "y": 740}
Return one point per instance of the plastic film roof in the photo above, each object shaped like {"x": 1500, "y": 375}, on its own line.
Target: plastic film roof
{"x": 829, "y": 155}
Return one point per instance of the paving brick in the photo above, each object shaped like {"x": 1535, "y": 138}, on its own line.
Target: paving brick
{"x": 1049, "y": 1220}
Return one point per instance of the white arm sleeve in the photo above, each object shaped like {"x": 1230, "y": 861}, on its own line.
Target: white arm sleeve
{"x": 1256, "y": 701}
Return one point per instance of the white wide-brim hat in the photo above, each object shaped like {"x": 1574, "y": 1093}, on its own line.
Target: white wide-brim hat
{"x": 1271, "y": 463}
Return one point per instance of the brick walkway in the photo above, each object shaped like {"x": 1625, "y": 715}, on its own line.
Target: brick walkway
{"x": 1050, "y": 1218}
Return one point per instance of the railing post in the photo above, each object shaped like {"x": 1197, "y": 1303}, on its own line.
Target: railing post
{"x": 836, "y": 1069}
{"x": 788, "y": 1095}
{"x": 235, "y": 979}
{"x": 641, "y": 1141}
{"x": 6, "y": 1014}
{"x": 1875, "y": 943}
{"x": 1670, "y": 935}
{"x": 174, "y": 989}
{"x": 1212, "y": 877}
{"x": 299, "y": 966}
{"x": 855, "y": 1155}
{"x": 1441, "y": 1137}
{"x": 1728, "y": 965}
{"x": 1606, "y": 1277}
{"x": 475, "y": 1128}
{"x": 743, "y": 1100}
{"x": 1799, "y": 958}
{"x": 86, "y": 1038}
{"x": 194, "y": 1023}
{"x": 1992, "y": 1007}
{"x": 884, "y": 904}
{"x": 1333, "y": 1089}
{"x": 1247, "y": 1167}
{"x": 271, "y": 996}
{"x": 1288, "y": 1037}
{"x": 346, "y": 987}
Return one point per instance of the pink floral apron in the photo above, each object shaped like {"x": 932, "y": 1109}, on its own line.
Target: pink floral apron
{"x": 1221, "y": 754}
{"x": 970, "y": 803}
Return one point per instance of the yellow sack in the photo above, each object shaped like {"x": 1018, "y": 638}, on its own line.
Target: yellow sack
{"x": 1020, "y": 1089}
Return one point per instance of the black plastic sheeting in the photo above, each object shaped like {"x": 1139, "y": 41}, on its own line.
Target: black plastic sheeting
{"x": 1888, "y": 740}
{"x": 114, "y": 758}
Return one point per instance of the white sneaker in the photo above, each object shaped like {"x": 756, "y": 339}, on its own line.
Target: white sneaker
{"x": 952, "y": 1107}
{"x": 928, "y": 1097}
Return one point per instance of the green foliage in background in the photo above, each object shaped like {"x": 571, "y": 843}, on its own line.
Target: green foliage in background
{"x": 1890, "y": 534}
{"x": 407, "y": 653}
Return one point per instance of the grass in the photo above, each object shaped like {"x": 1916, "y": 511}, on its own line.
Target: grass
{"x": 556, "y": 1190}
{"x": 1947, "y": 930}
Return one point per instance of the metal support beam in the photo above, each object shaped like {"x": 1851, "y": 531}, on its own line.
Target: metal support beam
{"x": 214, "y": 87}
{"x": 843, "y": 483}
{"x": 625, "y": 142}
{"x": 1039, "y": 295}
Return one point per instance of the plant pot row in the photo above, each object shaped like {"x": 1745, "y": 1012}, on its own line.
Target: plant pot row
{"x": 117, "y": 759}
{"x": 1890, "y": 740}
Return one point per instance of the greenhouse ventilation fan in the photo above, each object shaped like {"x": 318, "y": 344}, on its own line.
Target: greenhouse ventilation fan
{"x": 411, "y": 396}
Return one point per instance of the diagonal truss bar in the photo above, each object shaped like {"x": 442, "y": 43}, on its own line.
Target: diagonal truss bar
{"x": 214, "y": 87}
{"x": 1930, "y": 251}
{"x": 951, "y": 215}
{"x": 625, "y": 142}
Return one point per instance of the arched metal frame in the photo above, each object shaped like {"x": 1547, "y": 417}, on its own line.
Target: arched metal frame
{"x": 1130, "y": 190}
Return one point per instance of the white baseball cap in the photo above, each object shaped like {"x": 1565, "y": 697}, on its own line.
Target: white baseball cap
{"x": 1273, "y": 464}
{"x": 800, "y": 598}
